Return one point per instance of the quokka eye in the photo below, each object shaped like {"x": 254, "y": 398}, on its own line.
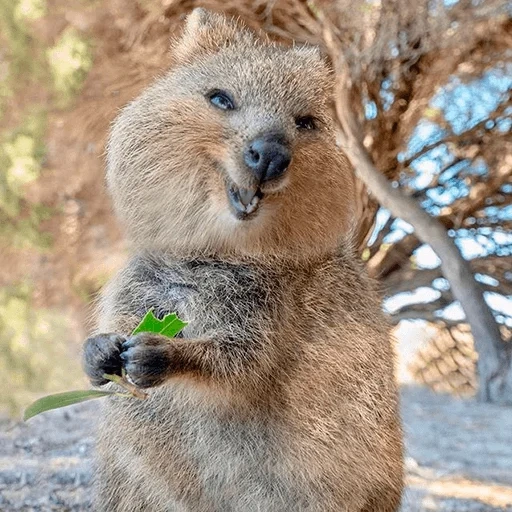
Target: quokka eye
{"x": 221, "y": 99}
{"x": 306, "y": 123}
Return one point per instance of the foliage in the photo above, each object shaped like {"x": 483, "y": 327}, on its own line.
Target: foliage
{"x": 35, "y": 353}
{"x": 70, "y": 60}
{"x": 24, "y": 63}
{"x": 59, "y": 400}
{"x": 21, "y": 156}
{"x": 19, "y": 60}
{"x": 169, "y": 326}
{"x": 29, "y": 71}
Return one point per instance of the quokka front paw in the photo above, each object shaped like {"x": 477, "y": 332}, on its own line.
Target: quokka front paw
{"x": 147, "y": 359}
{"x": 102, "y": 354}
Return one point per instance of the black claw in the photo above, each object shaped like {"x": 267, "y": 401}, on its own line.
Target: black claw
{"x": 127, "y": 355}
{"x": 144, "y": 360}
{"x": 129, "y": 343}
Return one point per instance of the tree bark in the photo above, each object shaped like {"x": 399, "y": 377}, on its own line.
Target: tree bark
{"x": 494, "y": 357}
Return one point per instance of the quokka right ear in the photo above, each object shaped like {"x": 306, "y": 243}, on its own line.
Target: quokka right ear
{"x": 206, "y": 32}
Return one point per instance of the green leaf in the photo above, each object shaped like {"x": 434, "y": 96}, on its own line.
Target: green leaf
{"x": 169, "y": 326}
{"x": 58, "y": 400}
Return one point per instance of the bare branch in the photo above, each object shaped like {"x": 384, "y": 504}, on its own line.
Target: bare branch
{"x": 456, "y": 270}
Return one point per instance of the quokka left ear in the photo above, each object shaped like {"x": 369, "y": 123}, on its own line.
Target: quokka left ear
{"x": 200, "y": 18}
{"x": 206, "y": 32}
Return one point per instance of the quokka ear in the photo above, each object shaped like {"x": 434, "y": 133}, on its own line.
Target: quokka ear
{"x": 311, "y": 51}
{"x": 201, "y": 18}
{"x": 206, "y": 32}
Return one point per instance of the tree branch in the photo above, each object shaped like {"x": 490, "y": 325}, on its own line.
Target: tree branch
{"x": 493, "y": 357}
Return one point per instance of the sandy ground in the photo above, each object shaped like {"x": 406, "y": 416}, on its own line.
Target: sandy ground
{"x": 459, "y": 457}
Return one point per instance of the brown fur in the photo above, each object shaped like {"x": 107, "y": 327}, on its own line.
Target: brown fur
{"x": 279, "y": 396}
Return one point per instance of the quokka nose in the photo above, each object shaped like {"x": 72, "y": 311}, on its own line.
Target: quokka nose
{"x": 267, "y": 157}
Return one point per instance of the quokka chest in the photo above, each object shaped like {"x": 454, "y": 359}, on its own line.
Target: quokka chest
{"x": 206, "y": 294}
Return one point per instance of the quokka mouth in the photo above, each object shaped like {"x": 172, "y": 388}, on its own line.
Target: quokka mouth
{"x": 244, "y": 201}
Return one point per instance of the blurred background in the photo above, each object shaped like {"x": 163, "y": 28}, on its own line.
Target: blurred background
{"x": 429, "y": 84}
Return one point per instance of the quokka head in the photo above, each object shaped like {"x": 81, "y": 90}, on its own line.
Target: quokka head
{"x": 233, "y": 151}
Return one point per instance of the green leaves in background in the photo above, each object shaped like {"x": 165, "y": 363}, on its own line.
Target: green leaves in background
{"x": 27, "y": 63}
{"x": 35, "y": 348}
{"x": 22, "y": 152}
{"x": 70, "y": 60}
{"x": 169, "y": 326}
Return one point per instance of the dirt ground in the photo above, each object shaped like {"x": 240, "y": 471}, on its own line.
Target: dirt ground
{"x": 459, "y": 457}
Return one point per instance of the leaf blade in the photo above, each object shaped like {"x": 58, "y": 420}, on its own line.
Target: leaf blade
{"x": 172, "y": 325}
{"x": 50, "y": 402}
{"x": 169, "y": 326}
{"x": 149, "y": 323}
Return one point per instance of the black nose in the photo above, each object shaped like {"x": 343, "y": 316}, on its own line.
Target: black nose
{"x": 267, "y": 157}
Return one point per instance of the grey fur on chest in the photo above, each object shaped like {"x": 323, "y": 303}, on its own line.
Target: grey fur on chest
{"x": 209, "y": 294}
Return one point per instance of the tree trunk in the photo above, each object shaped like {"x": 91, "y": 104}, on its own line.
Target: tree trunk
{"x": 494, "y": 357}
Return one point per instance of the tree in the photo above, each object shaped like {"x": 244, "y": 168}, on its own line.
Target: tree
{"x": 494, "y": 363}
